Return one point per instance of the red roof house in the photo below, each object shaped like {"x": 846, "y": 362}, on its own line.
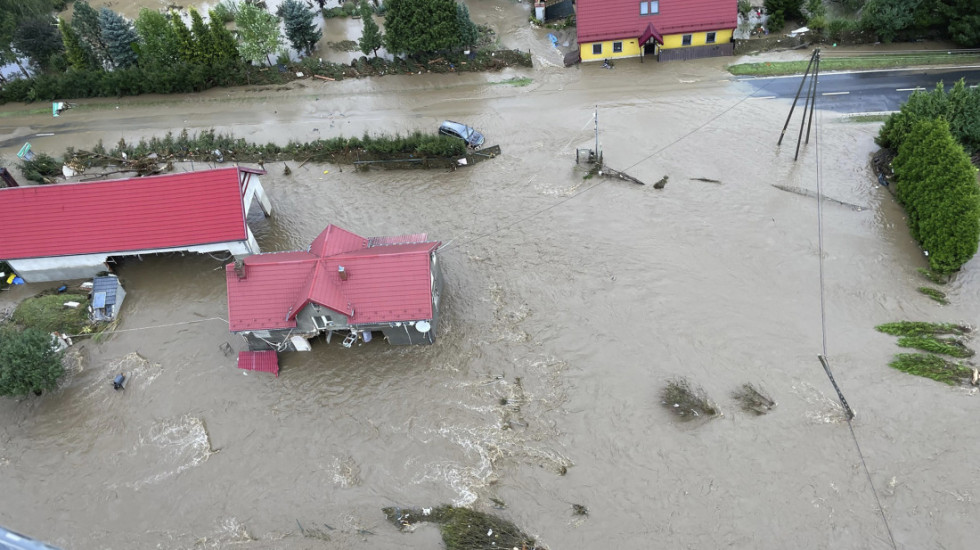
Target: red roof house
{"x": 672, "y": 29}
{"x": 344, "y": 282}
{"x": 67, "y": 231}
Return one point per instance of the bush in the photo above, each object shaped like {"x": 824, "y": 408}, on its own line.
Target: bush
{"x": 744, "y": 7}
{"x": 937, "y": 185}
{"x": 28, "y": 362}
{"x": 960, "y": 107}
{"x": 49, "y": 314}
{"x": 837, "y": 28}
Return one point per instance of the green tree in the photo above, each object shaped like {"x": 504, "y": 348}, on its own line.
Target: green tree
{"x": 780, "y": 11}
{"x": 205, "y": 48}
{"x": 300, "y": 29}
{"x": 119, "y": 37}
{"x": 28, "y": 363}
{"x": 38, "y": 38}
{"x": 964, "y": 21}
{"x": 258, "y": 33}
{"x": 85, "y": 22}
{"x": 468, "y": 34}
{"x": 78, "y": 56}
{"x": 183, "y": 39}
{"x": 371, "y": 38}
{"x": 157, "y": 47}
{"x": 887, "y": 18}
{"x": 937, "y": 185}
{"x": 960, "y": 107}
{"x": 416, "y": 27}
{"x": 13, "y": 13}
{"x": 226, "y": 49}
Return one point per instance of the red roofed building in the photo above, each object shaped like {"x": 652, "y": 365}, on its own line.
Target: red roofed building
{"x": 669, "y": 29}
{"x": 343, "y": 283}
{"x": 70, "y": 230}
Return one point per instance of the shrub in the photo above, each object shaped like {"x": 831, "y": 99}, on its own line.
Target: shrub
{"x": 40, "y": 168}
{"x": 49, "y": 314}
{"x": 28, "y": 362}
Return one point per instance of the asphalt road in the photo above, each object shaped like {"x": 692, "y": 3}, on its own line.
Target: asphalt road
{"x": 861, "y": 92}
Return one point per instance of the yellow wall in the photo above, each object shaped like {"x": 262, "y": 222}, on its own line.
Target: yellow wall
{"x": 631, "y": 48}
{"x": 723, "y": 36}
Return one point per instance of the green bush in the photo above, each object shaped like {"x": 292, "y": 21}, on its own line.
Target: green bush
{"x": 744, "y": 6}
{"x": 960, "y": 107}
{"x": 28, "y": 363}
{"x": 49, "y": 314}
{"x": 40, "y": 168}
{"x": 937, "y": 185}
{"x": 838, "y": 28}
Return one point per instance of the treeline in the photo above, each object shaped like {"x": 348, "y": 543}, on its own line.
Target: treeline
{"x": 100, "y": 53}
{"x": 887, "y": 20}
{"x": 935, "y": 181}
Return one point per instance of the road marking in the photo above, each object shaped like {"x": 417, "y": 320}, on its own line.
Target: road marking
{"x": 908, "y": 89}
{"x": 835, "y": 93}
{"x": 765, "y": 97}
{"x": 974, "y": 86}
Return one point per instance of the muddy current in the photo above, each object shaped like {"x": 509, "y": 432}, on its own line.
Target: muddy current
{"x": 569, "y": 302}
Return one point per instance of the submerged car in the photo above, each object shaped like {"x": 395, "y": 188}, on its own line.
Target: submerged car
{"x": 472, "y": 138}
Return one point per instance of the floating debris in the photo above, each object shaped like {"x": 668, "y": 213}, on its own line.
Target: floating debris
{"x": 936, "y": 278}
{"x": 579, "y": 510}
{"x": 753, "y": 400}
{"x": 661, "y": 183}
{"x": 464, "y": 529}
{"x": 706, "y": 180}
{"x": 687, "y": 401}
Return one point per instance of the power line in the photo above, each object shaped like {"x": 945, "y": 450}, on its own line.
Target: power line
{"x": 149, "y": 327}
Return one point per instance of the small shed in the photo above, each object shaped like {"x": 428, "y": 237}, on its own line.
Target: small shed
{"x": 107, "y": 298}
{"x": 259, "y": 361}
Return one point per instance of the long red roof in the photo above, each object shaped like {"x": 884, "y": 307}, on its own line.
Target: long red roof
{"x": 385, "y": 283}
{"x": 598, "y": 20}
{"x": 124, "y": 215}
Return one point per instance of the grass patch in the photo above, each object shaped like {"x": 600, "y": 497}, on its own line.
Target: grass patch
{"x": 518, "y": 81}
{"x": 917, "y": 328}
{"x": 932, "y": 367}
{"x": 945, "y": 346}
{"x": 344, "y": 46}
{"x": 772, "y": 68}
{"x": 464, "y": 529}
{"x": 753, "y": 399}
{"x": 934, "y": 294}
{"x": 934, "y": 277}
{"x": 687, "y": 401}
{"x": 866, "y": 118}
{"x": 49, "y": 314}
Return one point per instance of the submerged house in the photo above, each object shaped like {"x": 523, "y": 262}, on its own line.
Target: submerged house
{"x": 75, "y": 230}
{"x": 342, "y": 283}
{"x": 107, "y": 298}
{"x": 669, "y": 29}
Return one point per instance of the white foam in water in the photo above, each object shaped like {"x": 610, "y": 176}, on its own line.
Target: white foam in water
{"x": 181, "y": 444}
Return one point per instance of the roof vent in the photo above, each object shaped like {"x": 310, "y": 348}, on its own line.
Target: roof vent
{"x": 240, "y": 269}
{"x": 342, "y": 272}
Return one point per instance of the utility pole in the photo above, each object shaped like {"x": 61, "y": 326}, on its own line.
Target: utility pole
{"x": 810, "y": 104}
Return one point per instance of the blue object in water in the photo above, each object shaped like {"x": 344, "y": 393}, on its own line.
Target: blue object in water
{"x": 554, "y": 39}
{"x": 62, "y": 288}
{"x": 118, "y": 382}
{"x": 18, "y": 281}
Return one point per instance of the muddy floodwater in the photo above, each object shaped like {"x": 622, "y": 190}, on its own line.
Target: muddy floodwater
{"x": 568, "y": 304}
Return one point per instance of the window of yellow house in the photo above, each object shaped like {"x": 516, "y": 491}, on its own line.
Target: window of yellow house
{"x": 617, "y": 47}
{"x": 597, "y": 49}
{"x": 650, "y": 8}
{"x": 709, "y": 38}
{"x": 686, "y": 40}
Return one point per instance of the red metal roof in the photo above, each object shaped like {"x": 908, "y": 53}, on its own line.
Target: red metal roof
{"x": 261, "y": 361}
{"x": 124, "y": 215}
{"x": 387, "y": 283}
{"x": 598, "y": 20}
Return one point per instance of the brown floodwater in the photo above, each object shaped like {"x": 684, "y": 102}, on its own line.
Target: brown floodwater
{"x": 568, "y": 305}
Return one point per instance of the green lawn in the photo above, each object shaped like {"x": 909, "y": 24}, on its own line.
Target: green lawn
{"x": 774, "y": 68}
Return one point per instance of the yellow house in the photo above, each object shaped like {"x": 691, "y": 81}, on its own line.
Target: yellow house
{"x": 669, "y": 29}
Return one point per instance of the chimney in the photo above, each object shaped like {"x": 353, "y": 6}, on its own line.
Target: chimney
{"x": 240, "y": 269}
{"x": 342, "y": 272}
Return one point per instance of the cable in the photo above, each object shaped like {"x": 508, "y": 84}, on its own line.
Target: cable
{"x": 147, "y": 328}
{"x": 823, "y": 318}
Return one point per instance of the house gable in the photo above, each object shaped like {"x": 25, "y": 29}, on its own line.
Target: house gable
{"x": 605, "y": 20}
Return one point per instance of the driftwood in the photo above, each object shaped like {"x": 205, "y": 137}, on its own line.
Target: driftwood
{"x": 327, "y": 78}
{"x": 811, "y": 194}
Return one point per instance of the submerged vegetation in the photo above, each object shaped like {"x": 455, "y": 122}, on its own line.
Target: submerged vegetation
{"x": 936, "y": 295}
{"x": 925, "y": 337}
{"x": 463, "y": 528}
{"x": 919, "y": 328}
{"x": 687, "y": 401}
{"x": 753, "y": 399}
{"x": 210, "y": 146}
{"x": 48, "y": 313}
{"x": 935, "y": 278}
{"x": 932, "y": 366}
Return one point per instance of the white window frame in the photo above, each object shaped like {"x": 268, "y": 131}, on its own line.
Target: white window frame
{"x": 597, "y": 46}
{"x": 650, "y": 8}
{"x": 617, "y": 47}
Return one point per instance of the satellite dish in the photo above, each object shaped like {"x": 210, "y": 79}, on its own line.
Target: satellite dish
{"x": 423, "y": 326}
